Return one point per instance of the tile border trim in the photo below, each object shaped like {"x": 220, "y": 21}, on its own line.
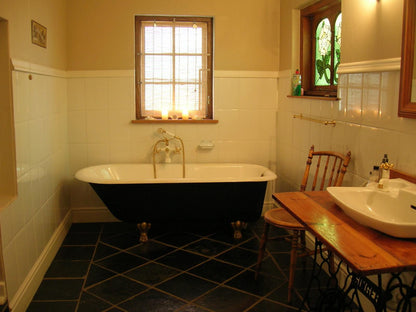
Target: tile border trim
{"x": 391, "y": 64}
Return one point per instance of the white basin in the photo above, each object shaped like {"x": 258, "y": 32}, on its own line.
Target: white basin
{"x": 391, "y": 210}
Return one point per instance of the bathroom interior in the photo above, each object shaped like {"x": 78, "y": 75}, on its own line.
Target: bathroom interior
{"x": 71, "y": 105}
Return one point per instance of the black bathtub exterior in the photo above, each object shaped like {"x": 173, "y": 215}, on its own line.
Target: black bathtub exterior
{"x": 184, "y": 202}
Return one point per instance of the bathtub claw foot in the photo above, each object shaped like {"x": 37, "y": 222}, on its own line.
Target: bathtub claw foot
{"x": 238, "y": 226}
{"x": 144, "y": 227}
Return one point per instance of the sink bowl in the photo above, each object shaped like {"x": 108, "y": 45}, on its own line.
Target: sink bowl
{"x": 391, "y": 210}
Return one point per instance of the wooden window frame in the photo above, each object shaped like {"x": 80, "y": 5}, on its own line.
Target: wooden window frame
{"x": 209, "y": 62}
{"x": 309, "y": 19}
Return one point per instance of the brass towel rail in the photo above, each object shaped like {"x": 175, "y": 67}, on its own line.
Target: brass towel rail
{"x": 324, "y": 122}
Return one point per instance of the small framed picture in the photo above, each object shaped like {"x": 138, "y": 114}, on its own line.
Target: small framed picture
{"x": 38, "y": 34}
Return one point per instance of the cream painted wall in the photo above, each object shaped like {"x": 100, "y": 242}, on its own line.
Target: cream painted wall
{"x": 101, "y": 32}
{"x": 49, "y": 13}
{"x": 371, "y": 30}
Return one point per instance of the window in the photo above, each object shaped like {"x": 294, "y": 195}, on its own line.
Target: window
{"x": 321, "y": 47}
{"x": 173, "y": 67}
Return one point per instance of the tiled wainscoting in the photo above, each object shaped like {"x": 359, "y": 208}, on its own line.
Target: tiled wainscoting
{"x": 366, "y": 124}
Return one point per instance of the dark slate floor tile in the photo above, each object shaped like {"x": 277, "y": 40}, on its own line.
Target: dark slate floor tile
{"x": 261, "y": 286}
{"x": 267, "y": 306}
{"x": 252, "y": 244}
{"x": 284, "y": 261}
{"x": 152, "y": 273}
{"x": 63, "y": 268}
{"x": 75, "y": 253}
{"x": 89, "y": 303}
{"x": 227, "y": 236}
{"x": 117, "y": 289}
{"x": 152, "y": 301}
{"x": 278, "y": 244}
{"x": 121, "y": 262}
{"x": 207, "y": 247}
{"x": 269, "y": 267}
{"x": 97, "y": 274}
{"x": 239, "y": 256}
{"x": 59, "y": 289}
{"x": 280, "y": 295}
{"x": 224, "y": 299}
{"x": 181, "y": 260}
{"x": 187, "y": 286}
{"x": 178, "y": 239}
{"x": 123, "y": 240}
{"x": 75, "y": 238}
{"x": 193, "y": 308}
{"x": 52, "y": 306}
{"x": 103, "y": 251}
{"x": 151, "y": 250}
{"x": 216, "y": 271}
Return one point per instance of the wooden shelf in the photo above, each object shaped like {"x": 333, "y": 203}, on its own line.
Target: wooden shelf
{"x": 310, "y": 97}
{"x": 177, "y": 121}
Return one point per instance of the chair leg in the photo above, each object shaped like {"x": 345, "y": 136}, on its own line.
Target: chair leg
{"x": 292, "y": 267}
{"x": 262, "y": 248}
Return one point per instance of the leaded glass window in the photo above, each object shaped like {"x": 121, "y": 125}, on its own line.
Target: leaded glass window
{"x": 320, "y": 53}
{"x": 323, "y": 54}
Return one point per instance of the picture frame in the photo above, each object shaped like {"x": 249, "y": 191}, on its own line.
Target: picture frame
{"x": 39, "y": 34}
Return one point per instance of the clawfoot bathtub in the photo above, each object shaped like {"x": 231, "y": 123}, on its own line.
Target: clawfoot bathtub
{"x": 210, "y": 193}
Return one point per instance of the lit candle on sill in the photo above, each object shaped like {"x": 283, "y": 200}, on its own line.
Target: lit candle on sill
{"x": 165, "y": 114}
{"x": 185, "y": 114}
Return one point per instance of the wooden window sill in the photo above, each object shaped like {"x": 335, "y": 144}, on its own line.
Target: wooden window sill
{"x": 178, "y": 121}
{"x": 311, "y": 97}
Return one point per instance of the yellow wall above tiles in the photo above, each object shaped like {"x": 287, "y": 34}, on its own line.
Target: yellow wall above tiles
{"x": 101, "y": 32}
{"x": 49, "y": 13}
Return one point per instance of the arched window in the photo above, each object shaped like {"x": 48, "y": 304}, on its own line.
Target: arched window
{"x": 321, "y": 47}
{"x": 323, "y": 51}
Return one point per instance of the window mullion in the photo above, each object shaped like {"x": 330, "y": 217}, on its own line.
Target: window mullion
{"x": 174, "y": 65}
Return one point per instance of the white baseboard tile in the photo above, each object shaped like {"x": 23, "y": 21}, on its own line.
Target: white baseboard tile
{"x": 92, "y": 214}
{"x": 25, "y": 293}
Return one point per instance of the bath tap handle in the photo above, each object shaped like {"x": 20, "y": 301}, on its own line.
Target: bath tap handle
{"x": 166, "y": 133}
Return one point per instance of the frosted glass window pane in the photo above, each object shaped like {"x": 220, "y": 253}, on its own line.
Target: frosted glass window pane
{"x": 158, "y": 68}
{"x": 323, "y": 54}
{"x": 187, "y": 97}
{"x": 157, "y": 39}
{"x": 337, "y": 55}
{"x": 158, "y": 97}
{"x": 187, "y": 68}
{"x": 188, "y": 40}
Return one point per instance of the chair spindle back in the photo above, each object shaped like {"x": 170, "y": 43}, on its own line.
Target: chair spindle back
{"x": 330, "y": 169}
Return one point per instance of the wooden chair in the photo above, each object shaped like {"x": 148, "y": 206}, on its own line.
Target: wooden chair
{"x": 330, "y": 171}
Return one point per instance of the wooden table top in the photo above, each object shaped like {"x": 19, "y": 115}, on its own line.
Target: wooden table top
{"x": 366, "y": 251}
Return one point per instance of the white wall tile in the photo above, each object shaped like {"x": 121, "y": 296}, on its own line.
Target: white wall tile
{"x": 96, "y": 93}
{"x": 42, "y": 160}
{"x": 366, "y": 124}
{"x": 98, "y": 130}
